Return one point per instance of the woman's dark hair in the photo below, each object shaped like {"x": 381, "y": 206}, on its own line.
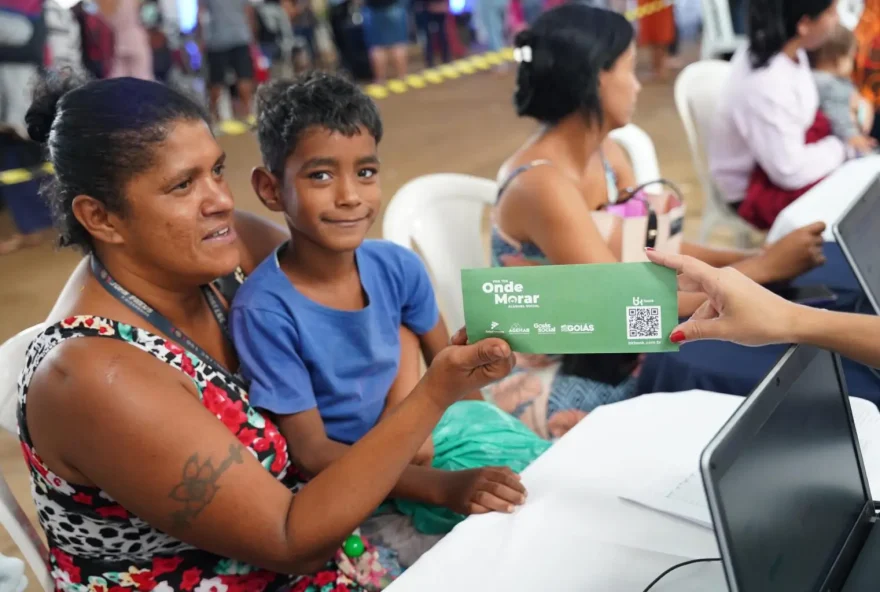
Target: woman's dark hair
{"x": 568, "y": 47}
{"x": 286, "y": 109}
{"x": 97, "y": 136}
{"x": 773, "y": 23}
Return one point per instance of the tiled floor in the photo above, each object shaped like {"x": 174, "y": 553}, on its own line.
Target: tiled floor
{"x": 465, "y": 126}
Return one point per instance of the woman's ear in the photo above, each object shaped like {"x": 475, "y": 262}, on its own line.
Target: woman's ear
{"x": 267, "y": 188}
{"x": 98, "y": 222}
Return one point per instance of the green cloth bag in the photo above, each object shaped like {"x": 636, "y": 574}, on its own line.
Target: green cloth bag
{"x": 470, "y": 435}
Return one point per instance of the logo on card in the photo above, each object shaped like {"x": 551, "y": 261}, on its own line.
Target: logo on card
{"x": 578, "y": 328}
{"x": 493, "y": 328}
{"x": 517, "y": 329}
{"x": 545, "y": 328}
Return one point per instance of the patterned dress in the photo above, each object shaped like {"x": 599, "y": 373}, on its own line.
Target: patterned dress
{"x": 96, "y": 545}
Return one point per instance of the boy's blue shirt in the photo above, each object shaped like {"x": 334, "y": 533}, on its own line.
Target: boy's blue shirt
{"x": 298, "y": 355}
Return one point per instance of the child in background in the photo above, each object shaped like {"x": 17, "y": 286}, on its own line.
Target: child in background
{"x": 850, "y": 115}
{"x": 319, "y": 325}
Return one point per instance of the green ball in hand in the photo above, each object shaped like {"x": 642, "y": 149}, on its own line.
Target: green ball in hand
{"x": 353, "y": 546}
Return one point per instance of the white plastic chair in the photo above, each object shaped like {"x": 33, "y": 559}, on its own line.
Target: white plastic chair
{"x": 697, "y": 90}
{"x": 640, "y": 148}
{"x": 12, "y": 517}
{"x": 718, "y": 35}
{"x": 442, "y": 214}
{"x": 850, "y": 12}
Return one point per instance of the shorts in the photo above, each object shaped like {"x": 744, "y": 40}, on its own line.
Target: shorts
{"x": 237, "y": 59}
{"x": 386, "y": 27}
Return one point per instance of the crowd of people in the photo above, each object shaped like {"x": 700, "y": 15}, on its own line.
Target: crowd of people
{"x": 261, "y": 386}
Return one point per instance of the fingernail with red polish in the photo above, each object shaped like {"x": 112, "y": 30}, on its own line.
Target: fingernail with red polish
{"x": 677, "y": 337}
{"x": 649, "y": 248}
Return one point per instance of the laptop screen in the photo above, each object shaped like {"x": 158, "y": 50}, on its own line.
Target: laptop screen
{"x": 794, "y": 491}
{"x": 857, "y": 232}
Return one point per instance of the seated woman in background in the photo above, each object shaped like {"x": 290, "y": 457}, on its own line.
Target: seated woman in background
{"x": 770, "y": 143}
{"x": 144, "y": 452}
{"x": 567, "y": 171}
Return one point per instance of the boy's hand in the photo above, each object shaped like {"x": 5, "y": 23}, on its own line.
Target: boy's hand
{"x": 425, "y": 455}
{"x": 479, "y": 491}
{"x": 462, "y": 368}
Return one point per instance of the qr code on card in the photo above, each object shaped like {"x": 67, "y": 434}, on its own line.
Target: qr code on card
{"x": 643, "y": 322}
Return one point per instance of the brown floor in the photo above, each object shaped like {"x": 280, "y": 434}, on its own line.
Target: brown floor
{"x": 437, "y": 129}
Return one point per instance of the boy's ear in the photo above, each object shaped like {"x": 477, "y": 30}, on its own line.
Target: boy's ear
{"x": 267, "y": 188}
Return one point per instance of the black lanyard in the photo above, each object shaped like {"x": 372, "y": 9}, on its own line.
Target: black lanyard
{"x": 163, "y": 324}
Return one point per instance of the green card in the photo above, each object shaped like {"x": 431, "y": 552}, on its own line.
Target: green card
{"x": 567, "y": 309}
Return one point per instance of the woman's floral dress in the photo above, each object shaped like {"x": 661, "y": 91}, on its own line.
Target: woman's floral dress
{"x": 96, "y": 545}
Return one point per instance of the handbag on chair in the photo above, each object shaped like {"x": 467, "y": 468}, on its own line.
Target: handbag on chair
{"x": 642, "y": 220}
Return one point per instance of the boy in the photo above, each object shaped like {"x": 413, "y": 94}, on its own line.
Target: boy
{"x": 850, "y": 115}
{"x": 317, "y": 326}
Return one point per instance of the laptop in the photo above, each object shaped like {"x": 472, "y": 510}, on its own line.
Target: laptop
{"x": 858, "y": 234}
{"x": 787, "y": 488}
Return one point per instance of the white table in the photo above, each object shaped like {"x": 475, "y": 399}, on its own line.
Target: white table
{"x": 828, "y": 200}
{"x": 574, "y": 533}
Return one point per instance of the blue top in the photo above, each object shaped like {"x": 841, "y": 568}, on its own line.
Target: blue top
{"x": 298, "y": 354}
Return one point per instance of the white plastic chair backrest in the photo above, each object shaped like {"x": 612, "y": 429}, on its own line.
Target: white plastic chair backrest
{"x": 12, "y": 517}
{"x": 442, "y": 215}
{"x": 640, "y": 148}
{"x": 697, "y": 92}
{"x": 718, "y": 34}
{"x": 850, "y": 12}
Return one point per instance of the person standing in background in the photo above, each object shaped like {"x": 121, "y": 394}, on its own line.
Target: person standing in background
{"x": 493, "y": 15}
{"x": 430, "y": 16}
{"x": 23, "y": 35}
{"x": 132, "y": 54}
{"x": 227, "y": 28}
{"x": 386, "y": 32}
{"x": 657, "y": 31}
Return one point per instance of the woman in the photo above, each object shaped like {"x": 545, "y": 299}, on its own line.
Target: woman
{"x": 770, "y": 143}
{"x": 568, "y": 170}
{"x": 741, "y": 311}
{"x": 149, "y": 467}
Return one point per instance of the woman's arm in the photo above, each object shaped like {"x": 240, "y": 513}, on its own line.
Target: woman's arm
{"x": 741, "y": 311}
{"x": 796, "y": 253}
{"x": 175, "y": 465}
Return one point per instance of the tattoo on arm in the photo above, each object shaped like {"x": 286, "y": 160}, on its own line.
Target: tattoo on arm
{"x": 199, "y": 484}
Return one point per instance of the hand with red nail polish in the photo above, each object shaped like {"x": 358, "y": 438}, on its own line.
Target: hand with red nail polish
{"x": 737, "y": 309}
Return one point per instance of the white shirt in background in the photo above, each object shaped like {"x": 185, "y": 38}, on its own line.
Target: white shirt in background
{"x": 762, "y": 119}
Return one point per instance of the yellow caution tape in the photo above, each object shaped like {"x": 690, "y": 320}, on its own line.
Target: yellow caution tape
{"x": 456, "y": 69}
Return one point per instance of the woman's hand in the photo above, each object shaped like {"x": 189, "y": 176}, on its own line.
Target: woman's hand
{"x": 487, "y": 489}
{"x": 796, "y": 253}
{"x": 737, "y": 309}
{"x": 863, "y": 144}
{"x": 462, "y": 368}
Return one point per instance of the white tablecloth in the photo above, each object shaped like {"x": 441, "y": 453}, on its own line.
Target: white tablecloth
{"x": 574, "y": 533}
{"x": 828, "y": 200}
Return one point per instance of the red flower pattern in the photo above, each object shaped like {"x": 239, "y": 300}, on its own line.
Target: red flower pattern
{"x": 83, "y": 498}
{"x": 191, "y": 568}
{"x": 164, "y": 565}
{"x": 191, "y": 577}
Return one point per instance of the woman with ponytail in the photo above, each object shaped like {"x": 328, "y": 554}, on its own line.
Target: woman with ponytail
{"x": 770, "y": 142}
{"x": 576, "y": 78}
